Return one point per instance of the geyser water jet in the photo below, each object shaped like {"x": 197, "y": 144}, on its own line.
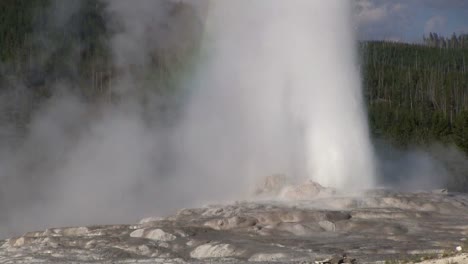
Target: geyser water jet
{"x": 282, "y": 72}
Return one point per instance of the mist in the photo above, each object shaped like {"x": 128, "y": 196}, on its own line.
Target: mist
{"x": 421, "y": 168}
{"x": 82, "y": 162}
{"x": 269, "y": 87}
{"x": 291, "y": 68}
{"x": 135, "y": 152}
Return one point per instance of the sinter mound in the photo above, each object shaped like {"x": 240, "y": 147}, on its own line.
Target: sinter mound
{"x": 309, "y": 223}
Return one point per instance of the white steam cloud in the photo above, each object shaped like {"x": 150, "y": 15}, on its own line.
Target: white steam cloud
{"x": 275, "y": 90}
{"x": 286, "y": 73}
{"x": 82, "y": 163}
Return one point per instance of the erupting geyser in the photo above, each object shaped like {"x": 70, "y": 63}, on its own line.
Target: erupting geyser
{"x": 326, "y": 91}
{"x": 289, "y": 69}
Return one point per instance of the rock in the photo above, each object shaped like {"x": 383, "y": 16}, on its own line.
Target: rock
{"x": 164, "y": 245}
{"x": 5, "y": 244}
{"x": 308, "y": 190}
{"x": 167, "y": 261}
{"x": 294, "y": 228}
{"x": 292, "y": 216}
{"x": 75, "y": 231}
{"x": 338, "y": 260}
{"x": 268, "y": 218}
{"x": 191, "y": 243}
{"x": 231, "y": 223}
{"x": 215, "y": 250}
{"x": 49, "y": 242}
{"x": 137, "y": 233}
{"x": 189, "y": 212}
{"x": 268, "y": 257}
{"x": 349, "y": 260}
{"x": 160, "y": 235}
{"x": 380, "y": 226}
{"x": 52, "y": 232}
{"x": 19, "y": 242}
{"x": 240, "y": 222}
{"x": 34, "y": 234}
{"x": 90, "y": 244}
{"x": 144, "y": 249}
{"x": 327, "y": 226}
{"x": 181, "y": 233}
{"x": 155, "y": 234}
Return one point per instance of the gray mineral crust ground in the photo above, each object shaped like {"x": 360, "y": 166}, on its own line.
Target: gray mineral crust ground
{"x": 374, "y": 227}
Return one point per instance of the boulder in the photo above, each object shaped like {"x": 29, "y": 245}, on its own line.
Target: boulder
{"x": 327, "y": 226}
{"x": 308, "y": 190}
{"x": 138, "y": 233}
{"x": 215, "y": 250}
{"x": 160, "y": 235}
{"x": 155, "y": 234}
{"x": 19, "y": 242}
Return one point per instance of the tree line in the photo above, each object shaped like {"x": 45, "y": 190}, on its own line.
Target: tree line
{"x": 438, "y": 41}
{"x": 37, "y": 49}
{"x": 415, "y": 93}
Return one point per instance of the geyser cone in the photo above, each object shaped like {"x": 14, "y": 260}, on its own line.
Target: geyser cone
{"x": 277, "y": 71}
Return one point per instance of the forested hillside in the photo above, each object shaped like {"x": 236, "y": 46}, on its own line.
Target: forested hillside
{"x": 49, "y": 44}
{"x": 416, "y": 94}
{"x": 34, "y": 39}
